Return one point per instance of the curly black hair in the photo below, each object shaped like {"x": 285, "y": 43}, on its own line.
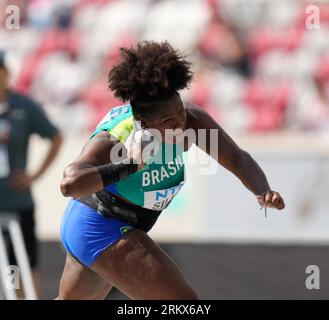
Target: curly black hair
{"x": 149, "y": 71}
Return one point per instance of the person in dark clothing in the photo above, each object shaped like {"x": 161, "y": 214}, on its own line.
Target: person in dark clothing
{"x": 20, "y": 117}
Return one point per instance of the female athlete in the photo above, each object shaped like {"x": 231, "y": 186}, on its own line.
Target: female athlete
{"x": 115, "y": 202}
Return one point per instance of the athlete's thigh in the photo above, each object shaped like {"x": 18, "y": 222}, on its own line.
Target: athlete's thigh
{"x": 138, "y": 267}
{"x": 80, "y": 283}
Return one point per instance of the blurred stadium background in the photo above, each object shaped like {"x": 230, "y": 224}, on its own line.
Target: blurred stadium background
{"x": 259, "y": 71}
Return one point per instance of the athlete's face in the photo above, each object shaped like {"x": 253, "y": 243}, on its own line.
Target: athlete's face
{"x": 170, "y": 120}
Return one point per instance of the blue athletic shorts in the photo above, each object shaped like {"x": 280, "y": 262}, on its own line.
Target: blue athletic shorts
{"x": 85, "y": 233}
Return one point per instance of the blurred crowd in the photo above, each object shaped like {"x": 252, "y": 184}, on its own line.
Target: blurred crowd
{"x": 258, "y": 68}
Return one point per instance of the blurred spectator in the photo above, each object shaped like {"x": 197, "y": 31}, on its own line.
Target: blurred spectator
{"x": 60, "y": 77}
{"x": 40, "y": 13}
{"x": 221, "y": 43}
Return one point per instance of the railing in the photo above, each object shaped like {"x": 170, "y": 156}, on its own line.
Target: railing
{"x": 8, "y": 221}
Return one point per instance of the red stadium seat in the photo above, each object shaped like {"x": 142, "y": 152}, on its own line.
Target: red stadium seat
{"x": 268, "y": 102}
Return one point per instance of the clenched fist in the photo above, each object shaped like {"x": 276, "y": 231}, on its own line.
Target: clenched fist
{"x": 141, "y": 145}
{"x": 271, "y": 199}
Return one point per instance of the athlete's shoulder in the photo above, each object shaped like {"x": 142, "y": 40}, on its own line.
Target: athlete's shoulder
{"x": 116, "y": 112}
{"x": 197, "y": 117}
{"x": 118, "y": 122}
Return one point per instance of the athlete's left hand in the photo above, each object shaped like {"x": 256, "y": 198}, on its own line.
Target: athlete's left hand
{"x": 271, "y": 199}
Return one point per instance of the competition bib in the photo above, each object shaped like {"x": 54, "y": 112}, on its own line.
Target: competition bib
{"x": 160, "y": 199}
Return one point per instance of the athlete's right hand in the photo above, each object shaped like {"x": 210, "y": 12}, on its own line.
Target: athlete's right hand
{"x": 135, "y": 144}
{"x": 134, "y": 151}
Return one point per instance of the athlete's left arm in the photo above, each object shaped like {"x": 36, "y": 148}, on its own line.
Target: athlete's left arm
{"x": 233, "y": 158}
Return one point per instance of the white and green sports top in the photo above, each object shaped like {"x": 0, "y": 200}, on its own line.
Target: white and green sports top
{"x": 162, "y": 177}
